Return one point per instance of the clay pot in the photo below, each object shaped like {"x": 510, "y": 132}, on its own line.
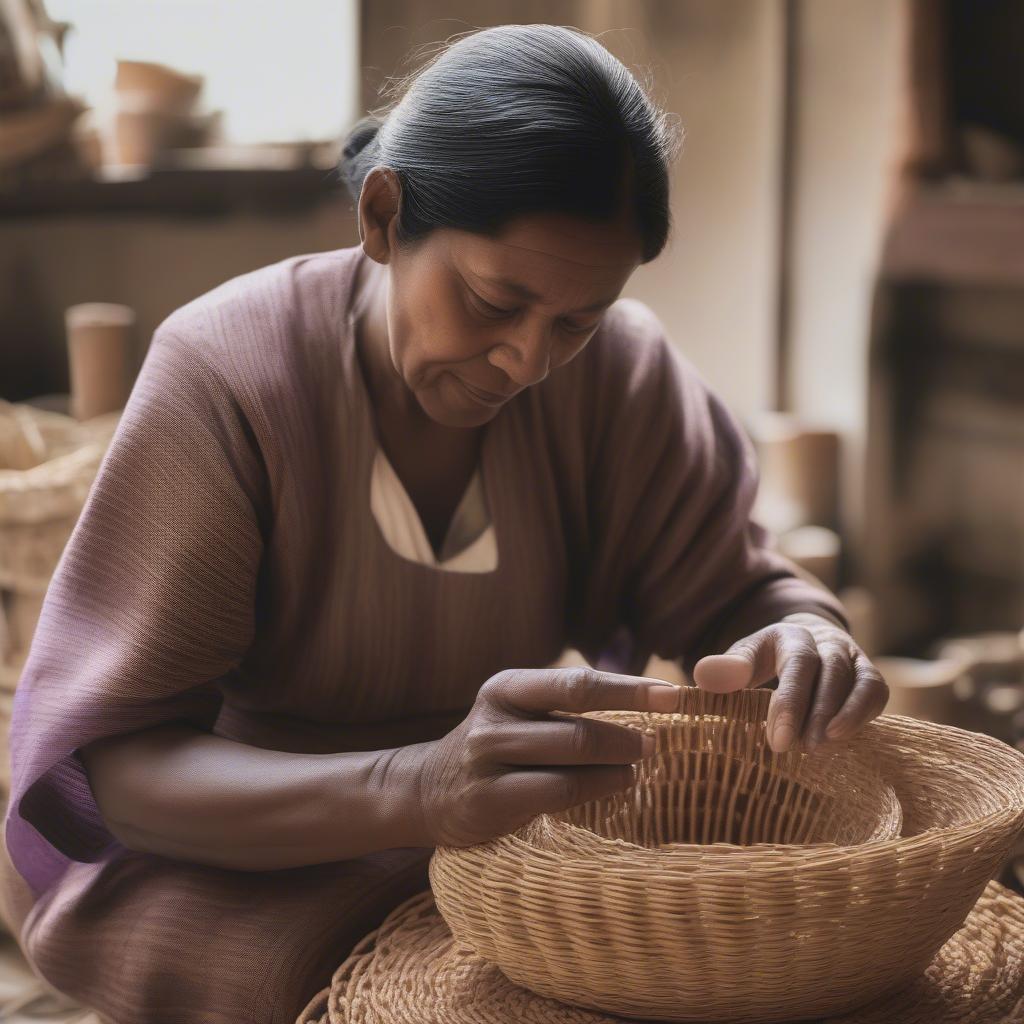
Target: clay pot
{"x": 816, "y": 550}
{"x": 157, "y": 86}
{"x": 922, "y": 688}
{"x": 799, "y": 468}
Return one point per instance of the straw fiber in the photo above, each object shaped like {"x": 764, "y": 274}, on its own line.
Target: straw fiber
{"x": 733, "y": 884}
{"x": 411, "y": 970}
{"x": 48, "y": 462}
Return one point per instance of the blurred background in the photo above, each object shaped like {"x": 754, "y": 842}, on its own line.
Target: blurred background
{"x": 847, "y": 265}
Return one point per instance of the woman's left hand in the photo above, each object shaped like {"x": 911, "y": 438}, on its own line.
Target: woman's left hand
{"x": 827, "y": 689}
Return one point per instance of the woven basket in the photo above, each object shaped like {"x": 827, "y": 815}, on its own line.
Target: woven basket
{"x": 568, "y": 908}
{"x": 410, "y": 970}
{"x": 48, "y": 462}
{"x": 713, "y": 779}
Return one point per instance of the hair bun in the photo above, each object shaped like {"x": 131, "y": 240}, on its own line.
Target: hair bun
{"x": 361, "y": 135}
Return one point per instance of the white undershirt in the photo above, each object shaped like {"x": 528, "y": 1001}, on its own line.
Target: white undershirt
{"x": 470, "y": 544}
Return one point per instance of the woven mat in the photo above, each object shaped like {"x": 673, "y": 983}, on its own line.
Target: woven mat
{"x": 411, "y": 971}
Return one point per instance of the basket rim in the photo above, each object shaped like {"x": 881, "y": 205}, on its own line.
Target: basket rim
{"x": 815, "y": 771}
{"x": 815, "y": 854}
{"x": 880, "y": 732}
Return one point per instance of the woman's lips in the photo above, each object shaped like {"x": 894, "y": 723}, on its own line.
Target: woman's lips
{"x": 486, "y": 397}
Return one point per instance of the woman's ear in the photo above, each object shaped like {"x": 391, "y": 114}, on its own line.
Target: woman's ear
{"x": 378, "y": 206}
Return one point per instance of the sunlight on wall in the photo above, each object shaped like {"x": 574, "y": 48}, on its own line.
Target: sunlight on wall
{"x": 280, "y": 72}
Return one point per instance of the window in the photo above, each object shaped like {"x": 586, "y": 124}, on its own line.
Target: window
{"x": 280, "y": 72}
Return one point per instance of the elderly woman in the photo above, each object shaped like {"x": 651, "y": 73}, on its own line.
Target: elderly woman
{"x": 358, "y": 503}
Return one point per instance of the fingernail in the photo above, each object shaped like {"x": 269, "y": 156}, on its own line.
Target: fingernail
{"x": 783, "y": 735}
{"x": 663, "y": 698}
{"x": 648, "y": 744}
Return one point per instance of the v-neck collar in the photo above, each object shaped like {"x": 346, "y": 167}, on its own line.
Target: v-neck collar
{"x": 397, "y": 518}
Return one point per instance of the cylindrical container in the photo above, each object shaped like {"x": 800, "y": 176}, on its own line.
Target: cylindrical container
{"x": 816, "y": 550}
{"x": 923, "y": 689}
{"x": 799, "y": 467}
{"x": 160, "y": 86}
{"x": 995, "y": 668}
{"x": 994, "y": 657}
{"x": 99, "y": 337}
{"x": 140, "y": 137}
{"x": 819, "y": 477}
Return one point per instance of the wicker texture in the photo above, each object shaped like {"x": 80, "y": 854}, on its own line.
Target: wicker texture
{"x": 571, "y": 910}
{"x": 48, "y": 462}
{"x": 411, "y": 970}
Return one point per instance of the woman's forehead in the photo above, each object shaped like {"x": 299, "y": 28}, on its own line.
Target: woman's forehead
{"x": 533, "y": 254}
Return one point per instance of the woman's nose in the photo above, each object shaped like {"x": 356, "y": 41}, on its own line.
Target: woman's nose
{"x": 527, "y": 360}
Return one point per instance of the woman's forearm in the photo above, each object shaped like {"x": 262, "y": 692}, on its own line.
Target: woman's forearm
{"x": 177, "y": 791}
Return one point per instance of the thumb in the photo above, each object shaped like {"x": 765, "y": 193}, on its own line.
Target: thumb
{"x": 749, "y": 662}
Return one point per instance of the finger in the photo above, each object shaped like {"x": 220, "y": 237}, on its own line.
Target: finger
{"x": 749, "y": 662}
{"x": 523, "y": 795}
{"x": 835, "y": 681}
{"x": 579, "y": 688}
{"x": 573, "y": 740}
{"x": 797, "y": 663}
{"x": 866, "y": 700}
{"x": 722, "y": 673}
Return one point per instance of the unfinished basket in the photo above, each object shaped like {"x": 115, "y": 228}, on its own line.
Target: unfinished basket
{"x": 591, "y": 906}
{"x": 410, "y": 970}
{"x": 713, "y": 779}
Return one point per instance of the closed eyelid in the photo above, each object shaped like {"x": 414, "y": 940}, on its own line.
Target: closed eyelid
{"x": 501, "y": 312}
{"x": 597, "y": 307}
{"x": 490, "y": 305}
{"x": 578, "y": 328}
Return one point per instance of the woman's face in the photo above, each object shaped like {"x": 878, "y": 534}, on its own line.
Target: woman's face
{"x": 472, "y": 320}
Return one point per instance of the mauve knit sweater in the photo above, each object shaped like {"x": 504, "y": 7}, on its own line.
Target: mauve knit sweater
{"x": 227, "y": 570}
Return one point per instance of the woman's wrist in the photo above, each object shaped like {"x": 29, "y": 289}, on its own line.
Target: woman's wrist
{"x": 817, "y": 617}
{"x": 394, "y": 791}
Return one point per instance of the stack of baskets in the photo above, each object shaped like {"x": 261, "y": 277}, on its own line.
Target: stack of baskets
{"x": 48, "y": 462}
{"x": 728, "y": 883}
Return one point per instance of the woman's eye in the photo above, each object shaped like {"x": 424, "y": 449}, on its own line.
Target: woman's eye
{"x": 486, "y": 309}
{"x": 580, "y": 330}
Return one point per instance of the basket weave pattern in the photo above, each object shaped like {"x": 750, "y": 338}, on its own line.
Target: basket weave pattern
{"x": 613, "y": 906}
{"x": 713, "y": 779}
{"x": 411, "y": 970}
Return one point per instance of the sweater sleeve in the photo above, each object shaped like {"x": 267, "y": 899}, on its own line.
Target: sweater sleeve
{"x": 676, "y": 559}
{"x": 151, "y": 603}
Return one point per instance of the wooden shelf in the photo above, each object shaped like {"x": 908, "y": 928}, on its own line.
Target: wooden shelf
{"x": 200, "y": 183}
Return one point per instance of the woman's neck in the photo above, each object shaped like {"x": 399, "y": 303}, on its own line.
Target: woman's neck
{"x": 392, "y": 397}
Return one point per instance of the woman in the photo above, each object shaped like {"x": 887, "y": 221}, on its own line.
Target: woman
{"x": 358, "y": 500}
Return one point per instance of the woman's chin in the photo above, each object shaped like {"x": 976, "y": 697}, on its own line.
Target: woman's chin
{"x": 464, "y": 418}
{"x": 454, "y": 407}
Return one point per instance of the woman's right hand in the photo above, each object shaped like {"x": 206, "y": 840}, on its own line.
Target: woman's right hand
{"x": 510, "y": 760}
